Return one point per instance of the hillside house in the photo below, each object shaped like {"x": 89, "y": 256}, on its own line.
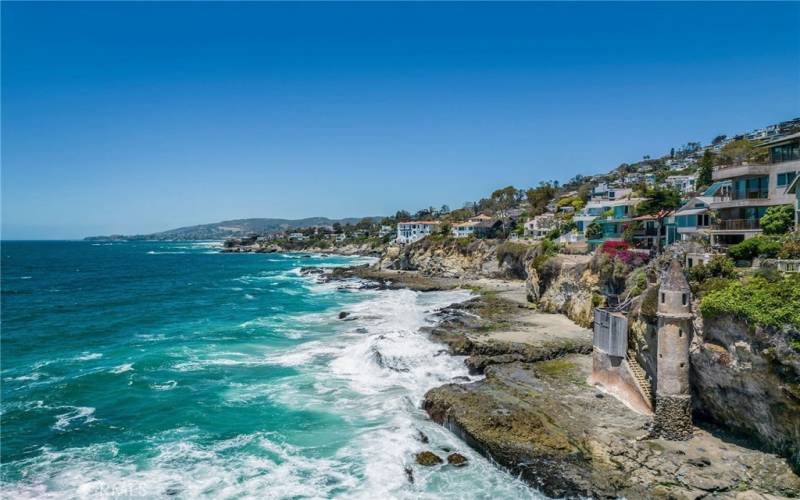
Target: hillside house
{"x": 409, "y": 232}
{"x": 683, "y": 183}
{"x": 538, "y": 227}
{"x": 743, "y": 192}
{"x": 693, "y": 219}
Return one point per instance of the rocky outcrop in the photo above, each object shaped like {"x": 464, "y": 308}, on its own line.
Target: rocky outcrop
{"x": 544, "y": 423}
{"x": 565, "y": 284}
{"x": 747, "y": 379}
{"x": 251, "y": 245}
{"x": 449, "y": 258}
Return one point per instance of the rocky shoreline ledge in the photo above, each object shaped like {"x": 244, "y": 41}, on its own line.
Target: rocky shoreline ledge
{"x": 535, "y": 414}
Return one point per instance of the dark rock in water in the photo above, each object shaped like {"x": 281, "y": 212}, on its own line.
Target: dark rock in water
{"x": 410, "y": 475}
{"x": 461, "y": 378}
{"x": 306, "y": 270}
{"x": 457, "y": 459}
{"x": 422, "y": 437}
{"x": 307, "y": 256}
{"x": 343, "y": 314}
{"x": 361, "y": 329}
{"x": 428, "y": 458}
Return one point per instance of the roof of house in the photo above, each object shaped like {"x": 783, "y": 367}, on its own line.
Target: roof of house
{"x": 428, "y": 222}
{"x": 782, "y": 140}
{"x": 710, "y": 191}
{"x": 481, "y": 217}
{"x": 689, "y": 207}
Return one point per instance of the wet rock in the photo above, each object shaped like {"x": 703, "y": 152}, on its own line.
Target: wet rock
{"x": 409, "y": 474}
{"x": 422, "y": 437}
{"x": 457, "y": 459}
{"x": 428, "y": 458}
{"x": 343, "y": 314}
{"x": 543, "y": 422}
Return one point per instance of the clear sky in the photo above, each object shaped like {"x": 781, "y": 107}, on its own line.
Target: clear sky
{"x": 139, "y": 117}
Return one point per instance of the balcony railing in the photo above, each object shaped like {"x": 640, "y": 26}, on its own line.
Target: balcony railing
{"x": 736, "y": 225}
{"x": 756, "y": 194}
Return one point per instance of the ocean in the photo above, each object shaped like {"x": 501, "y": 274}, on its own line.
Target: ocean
{"x": 169, "y": 370}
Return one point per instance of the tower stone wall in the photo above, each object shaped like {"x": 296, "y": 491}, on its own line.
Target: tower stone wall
{"x": 673, "y": 415}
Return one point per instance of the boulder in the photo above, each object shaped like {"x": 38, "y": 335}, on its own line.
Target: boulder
{"x": 428, "y": 458}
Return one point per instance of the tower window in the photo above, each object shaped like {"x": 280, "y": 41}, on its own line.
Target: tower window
{"x": 683, "y": 298}
{"x": 683, "y": 364}
{"x": 680, "y": 332}
{"x": 663, "y": 298}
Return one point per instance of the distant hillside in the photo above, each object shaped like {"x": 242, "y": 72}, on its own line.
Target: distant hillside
{"x": 231, "y": 228}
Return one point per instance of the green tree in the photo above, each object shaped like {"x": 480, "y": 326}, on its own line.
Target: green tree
{"x": 659, "y": 203}
{"x": 539, "y": 197}
{"x": 705, "y": 167}
{"x": 594, "y": 231}
{"x": 778, "y": 220}
{"x": 504, "y": 198}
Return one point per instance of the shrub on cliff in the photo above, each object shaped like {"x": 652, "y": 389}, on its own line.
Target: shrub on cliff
{"x": 758, "y": 301}
{"x": 719, "y": 266}
{"x": 757, "y": 246}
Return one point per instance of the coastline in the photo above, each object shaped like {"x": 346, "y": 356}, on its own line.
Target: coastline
{"x": 534, "y": 413}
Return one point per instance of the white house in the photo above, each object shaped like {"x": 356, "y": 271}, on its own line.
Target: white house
{"x": 605, "y": 192}
{"x": 683, "y": 183}
{"x": 538, "y": 227}
{"x": 463, "y": 229}
{"x": 385, "y": 230}
{"x": 409, "y": 232}
{"x": 297, "y": 237}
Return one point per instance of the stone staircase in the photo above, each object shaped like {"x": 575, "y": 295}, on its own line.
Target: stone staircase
{"x": 640, "y": 376}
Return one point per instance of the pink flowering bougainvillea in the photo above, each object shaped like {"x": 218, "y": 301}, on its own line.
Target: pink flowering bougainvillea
{"x": 622, "y": 251}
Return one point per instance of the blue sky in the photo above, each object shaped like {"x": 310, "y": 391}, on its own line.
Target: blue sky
{"x": 139, "y": 117}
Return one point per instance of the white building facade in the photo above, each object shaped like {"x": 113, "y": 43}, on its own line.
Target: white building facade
{"x": 409, "y": 232}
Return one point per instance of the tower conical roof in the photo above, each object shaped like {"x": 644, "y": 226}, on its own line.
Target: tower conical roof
{"x": 674, "y": 278}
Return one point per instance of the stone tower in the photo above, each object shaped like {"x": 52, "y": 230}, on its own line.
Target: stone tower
{"x": 673, "y": 418}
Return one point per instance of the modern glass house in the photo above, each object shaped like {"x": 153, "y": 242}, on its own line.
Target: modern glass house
{"x": 747, "y": 191}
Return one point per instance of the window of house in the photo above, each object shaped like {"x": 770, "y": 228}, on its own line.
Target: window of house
{"x": 786, "y": 178}
{"x": 683, "y": 299}
{"x": 680, "y": 332}
{"x": 663, "y": 297}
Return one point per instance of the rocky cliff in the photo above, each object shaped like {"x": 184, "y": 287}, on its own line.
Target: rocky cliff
{"x": 449, "y": 258}
{"x": 748, "y": 380}
{"x": 565, "y": 284}
{"x": 542, "y": 421}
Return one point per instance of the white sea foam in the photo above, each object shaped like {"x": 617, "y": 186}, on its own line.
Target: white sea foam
{"x": 123, "y": 368}
{"x": 166, "y": 386}
{"x": 75, "y": 413}
{"x": 88, "y": 356}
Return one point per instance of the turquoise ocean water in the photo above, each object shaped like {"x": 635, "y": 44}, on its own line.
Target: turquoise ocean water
{"x": 168, "y": 370}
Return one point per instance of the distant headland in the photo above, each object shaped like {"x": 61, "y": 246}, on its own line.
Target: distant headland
{"x": 230, "y": 229}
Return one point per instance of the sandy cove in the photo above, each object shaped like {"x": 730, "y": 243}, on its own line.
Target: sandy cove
{"x": 535, "y": 414}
